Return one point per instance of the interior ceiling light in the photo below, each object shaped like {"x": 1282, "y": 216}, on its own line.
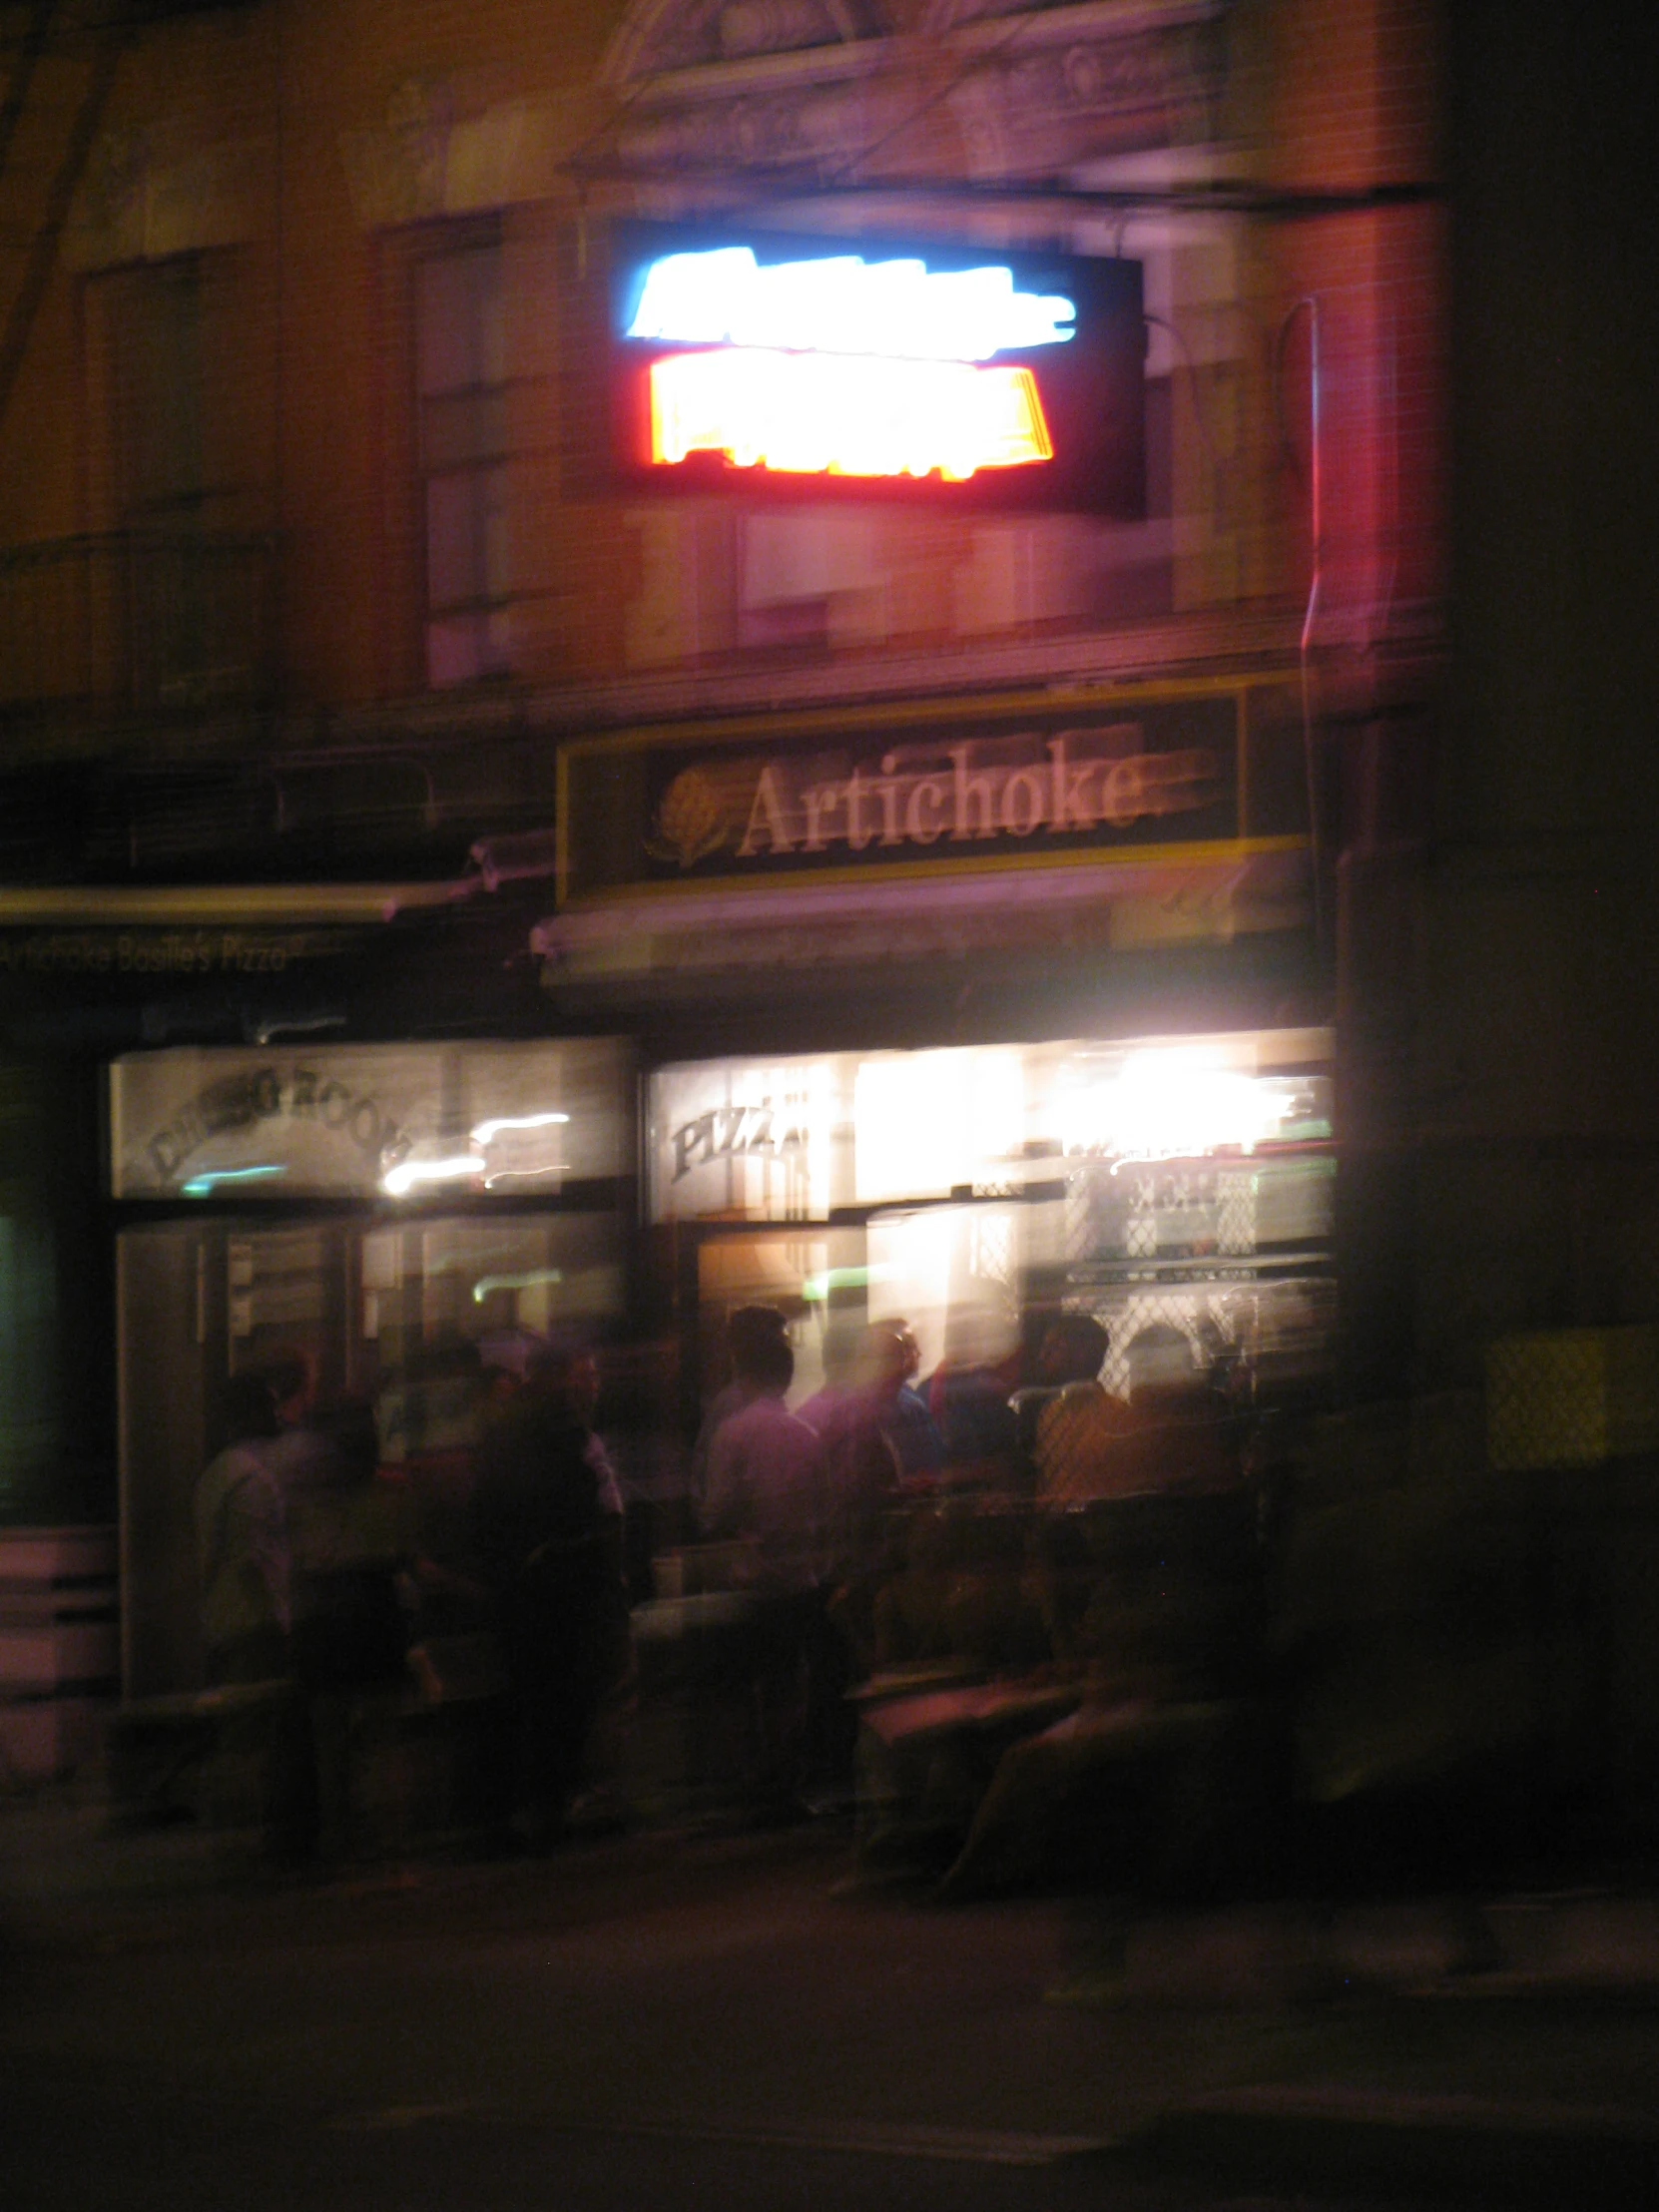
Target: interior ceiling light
{"x": 204, "y": 1185}
{"x": 397, "y": 1182}
{"x": 488, "y": 1131}
{"x": 1176, "y": 1104}
{"x": 528, "y": 1281}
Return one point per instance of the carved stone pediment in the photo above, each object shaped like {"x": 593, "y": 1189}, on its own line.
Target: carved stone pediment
{"x": 859, "y": 91}
{"x": 665, "y": 36}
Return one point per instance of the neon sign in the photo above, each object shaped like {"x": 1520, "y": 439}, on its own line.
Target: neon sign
{"x": 785, "y": 367}
{"x": 814, "y": 413}
{"x": 844, "y": 304}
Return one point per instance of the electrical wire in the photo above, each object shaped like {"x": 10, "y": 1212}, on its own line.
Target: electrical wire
{"x": 1315, "y": 578}
{"x": 1159, "y": 323}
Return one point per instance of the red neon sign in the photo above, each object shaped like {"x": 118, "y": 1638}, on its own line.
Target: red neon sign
{"x": 845, "y": 415}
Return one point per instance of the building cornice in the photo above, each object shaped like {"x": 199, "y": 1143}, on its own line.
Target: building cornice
{"x": 1223, "y": 641}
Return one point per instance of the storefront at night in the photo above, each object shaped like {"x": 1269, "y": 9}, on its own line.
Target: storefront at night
{"x": 364, "y": 1209}
{"x": 322, "y": 1123}
{"x": 967, "y": 1014}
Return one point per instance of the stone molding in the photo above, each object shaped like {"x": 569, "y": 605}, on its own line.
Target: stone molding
{"x": 136, "y": 206}
{"x": 838, "y": 91}
{"x": 675, "y": 37}
{"x": 996, "y": 93}
{"x": 426, "y": 161}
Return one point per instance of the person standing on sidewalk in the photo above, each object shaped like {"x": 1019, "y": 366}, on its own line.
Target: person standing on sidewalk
{"x": 769, "y": 1487}
{"x": 547, "y": 1525}
{"x": 245, "y": 1560}
{"x": 241, "y": 1546}
{"x": 749, "y": 1334}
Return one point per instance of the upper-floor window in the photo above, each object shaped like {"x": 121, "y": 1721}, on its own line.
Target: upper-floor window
{"x": 157, "y": 316}
{"x": 462, "y": 392}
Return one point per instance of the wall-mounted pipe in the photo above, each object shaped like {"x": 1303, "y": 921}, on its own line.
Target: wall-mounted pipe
{"x": 1316, "y": 580}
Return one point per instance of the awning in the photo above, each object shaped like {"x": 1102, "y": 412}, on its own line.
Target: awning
{"x": 208, "y": 905}
{"x": 1201, "y": 895}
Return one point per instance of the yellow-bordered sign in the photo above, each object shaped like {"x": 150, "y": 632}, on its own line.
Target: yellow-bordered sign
{"x": 1130, "y": 774}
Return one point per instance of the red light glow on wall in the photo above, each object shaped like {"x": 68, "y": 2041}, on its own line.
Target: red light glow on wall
{"x": 843, "y": 415}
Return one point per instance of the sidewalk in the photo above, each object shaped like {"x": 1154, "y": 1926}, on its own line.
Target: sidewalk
{"x": 1501, "y": 2051}
{"x": 66, "y": 1861}
{"x": 1383, "y": 2146}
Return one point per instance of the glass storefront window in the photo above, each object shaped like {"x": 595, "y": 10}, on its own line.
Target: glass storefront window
{"x": 1213, "y": 1141}
{"x": 405, "y": 1319}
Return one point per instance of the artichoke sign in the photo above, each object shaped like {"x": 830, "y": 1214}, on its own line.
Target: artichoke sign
{"x": 690, "y": 823}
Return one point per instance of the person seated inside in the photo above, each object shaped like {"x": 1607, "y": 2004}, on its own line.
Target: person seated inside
{"x": 893, "y": 1361}
{"x": 301, "y": 1455}
{"x": 1169, "y": 1434}
{"x": 968, "y": 1400}
{"x": 1080, "y": 1428}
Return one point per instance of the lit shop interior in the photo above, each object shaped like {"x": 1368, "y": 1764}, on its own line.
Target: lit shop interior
{"x": 365, "y": 1208}
{"x": 371, "y": 1206}
{"x": 970, "y": 1190}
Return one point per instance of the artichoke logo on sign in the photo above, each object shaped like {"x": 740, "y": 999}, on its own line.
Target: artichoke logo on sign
{"x": 690, "y": 822}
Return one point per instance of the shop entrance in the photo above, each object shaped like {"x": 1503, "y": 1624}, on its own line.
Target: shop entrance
{"x": 390, "y": 1220}
{"x": 1178, "y": 1190}
{"x": 402, "y": 1315}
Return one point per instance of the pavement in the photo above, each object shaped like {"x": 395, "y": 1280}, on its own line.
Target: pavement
{"x": 1501, "y": 2048}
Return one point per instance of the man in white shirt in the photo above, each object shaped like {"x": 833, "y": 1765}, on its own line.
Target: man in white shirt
{"x": 768, "y": 1482}
{"x": 766, "y": 1475}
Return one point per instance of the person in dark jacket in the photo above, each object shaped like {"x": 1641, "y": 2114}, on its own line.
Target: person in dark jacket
{"x": 547, "y": 1532}
{"x": 243, "y": 1549}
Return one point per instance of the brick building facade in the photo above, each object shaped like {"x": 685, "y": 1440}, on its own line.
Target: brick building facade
{"x": 310, "y": 566}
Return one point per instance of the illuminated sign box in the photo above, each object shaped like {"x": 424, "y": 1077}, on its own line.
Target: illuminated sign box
{"x": 795, "y": 368}
{"x": 790, "y": 1140}
{"x": 1206, "y": 773}
{"x": 375, "y": 1122}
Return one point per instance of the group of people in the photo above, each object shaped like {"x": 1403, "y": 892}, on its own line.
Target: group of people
{"x": 509, "y": 1516}
{"x": 299, "y": 1553}
{"x": 315, "y": 1572}
{"x": 809, "y": 1493}
{"x": 1045, "y": 1427}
